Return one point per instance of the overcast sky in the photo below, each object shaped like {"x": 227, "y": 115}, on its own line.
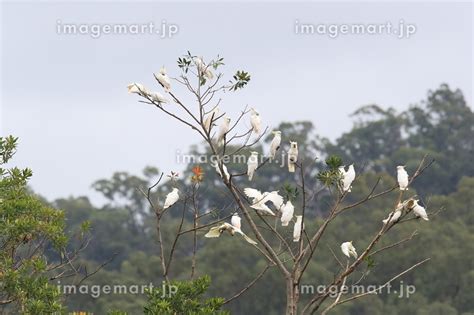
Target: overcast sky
{"x": 65, "y": 95}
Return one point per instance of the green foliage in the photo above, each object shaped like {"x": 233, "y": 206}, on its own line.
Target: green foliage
{"x": 241, "y": 78}
{"x": 188, "y": 299}
{"x": 331, "y": 176}
{"x": 26, "y": 223}
{"x": 7, "y": 148}
{"x": 290, "y": 192}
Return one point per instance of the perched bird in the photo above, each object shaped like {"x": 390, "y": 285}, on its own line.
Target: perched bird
{"x": 255, "y": 121}
{"x": 210, "y": 118}
{"x": 420, "y": 211}
{"x": 395, "y": 215}
{"x": 408, "y": 204}
{"x": 252, "y": 164}
{"x": 402, "y": 177}
{"x": 275, "y": 144}
{"x": 218, "y": 170}
{"x": 292, "y": 156}
{"x": 236, "y": 221}
{"x": 260, "y": 199}
{"x": 171, "y": 198}
{"x": 347, "y": 177}
{"x": 137, "y": 88}
{"x": 287, "y": 213}
{"x": 223, "y": 130}
{"x": 297, "y": 228}
{"x": 163, "y": 79}
{"x": 348, "y": 249}
{"x": 216, "y": 231}
{"x": 203, "y": 69}
{"x": 157, "y": 97}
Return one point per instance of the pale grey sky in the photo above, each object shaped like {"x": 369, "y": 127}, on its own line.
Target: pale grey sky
{"x": 65, "y": 95}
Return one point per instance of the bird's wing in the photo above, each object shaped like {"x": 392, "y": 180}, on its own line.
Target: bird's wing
{"x": 262, "y": 207}
{"x": 248, "y": 239}
{"x": 213, "y": 232}
{"x": 171, "y": 198}
{"x": 275, "y": 198}
{"x": 345, "y": 250}
{"x": 253, "y": 193}
{"x": 287, "y": 212}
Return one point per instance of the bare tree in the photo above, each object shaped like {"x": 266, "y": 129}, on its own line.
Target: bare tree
{"x": 289, "y": 257}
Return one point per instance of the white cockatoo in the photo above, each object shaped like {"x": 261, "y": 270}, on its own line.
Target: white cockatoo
{"x": 348, "y": 249}
{"x": 297, "y": 228}
{"x": 171, "y": 198}
{"x": 287, "y": 213}
{"x": 157, "y": 97}
{"x": 204, "y": 70}
{"x": 210, "y": 118}
{"x": 218, "y": 170}
{"x": 402, "y": 177}
{"x": 163, "y": 79}
{"x": 260, "y": 199}
{"x": 216, "y": 231}
{"x": 292, "y": 156}
{"x": 137, "y": 88}
{"x": 347, "y": 177}
{"x": 420, "y": 211}
{"x": 252, "y": 164}
{"x": 255, "y": 121}
{"x": 223, "y": 130}
{"x": 236, "y": 221}
{"x": 275, "y": 144}
{"x": 395, "y": 215}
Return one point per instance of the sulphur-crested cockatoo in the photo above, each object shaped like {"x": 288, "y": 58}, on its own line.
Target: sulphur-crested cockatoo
{"x": 163, "y": 79}
{"x": 297, "y": 228}
{"x": 292, "y": 156}
{"x": 157, "y": 97}
{"x": 223, "y": 130}
{"x": 287, "y": 213}
{"x": 171, "y": 198}
{"x": 275, "y": 144}
{"x": 218, "y": 170}
{"x": 204, "y": 70}
{"x": 260, "y": 199}
{"x": 252, "y": 164}
{"x": 348, "y": 249}
{"x": 394, "y": 216}
{"x": 216, "y": 231}
{"x": 255, "y": 121}
{"x": 402, "y": 177}
{"x": 137, "y": 88}
{"x": 420, "y": 211}
{"x": 236, "y": 221}
{"x": 347, "y": 177}
{"x": 210, "y": 118}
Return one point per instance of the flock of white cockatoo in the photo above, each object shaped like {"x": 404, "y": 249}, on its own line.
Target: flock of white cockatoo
{"x": 408, "y": 205}
{"x": 260, "y": 201}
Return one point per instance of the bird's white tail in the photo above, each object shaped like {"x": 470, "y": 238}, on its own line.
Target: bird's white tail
{"x": 291, "y": 167}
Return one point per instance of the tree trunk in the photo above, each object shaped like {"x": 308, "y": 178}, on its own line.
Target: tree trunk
{"x": 292, "y": 296}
